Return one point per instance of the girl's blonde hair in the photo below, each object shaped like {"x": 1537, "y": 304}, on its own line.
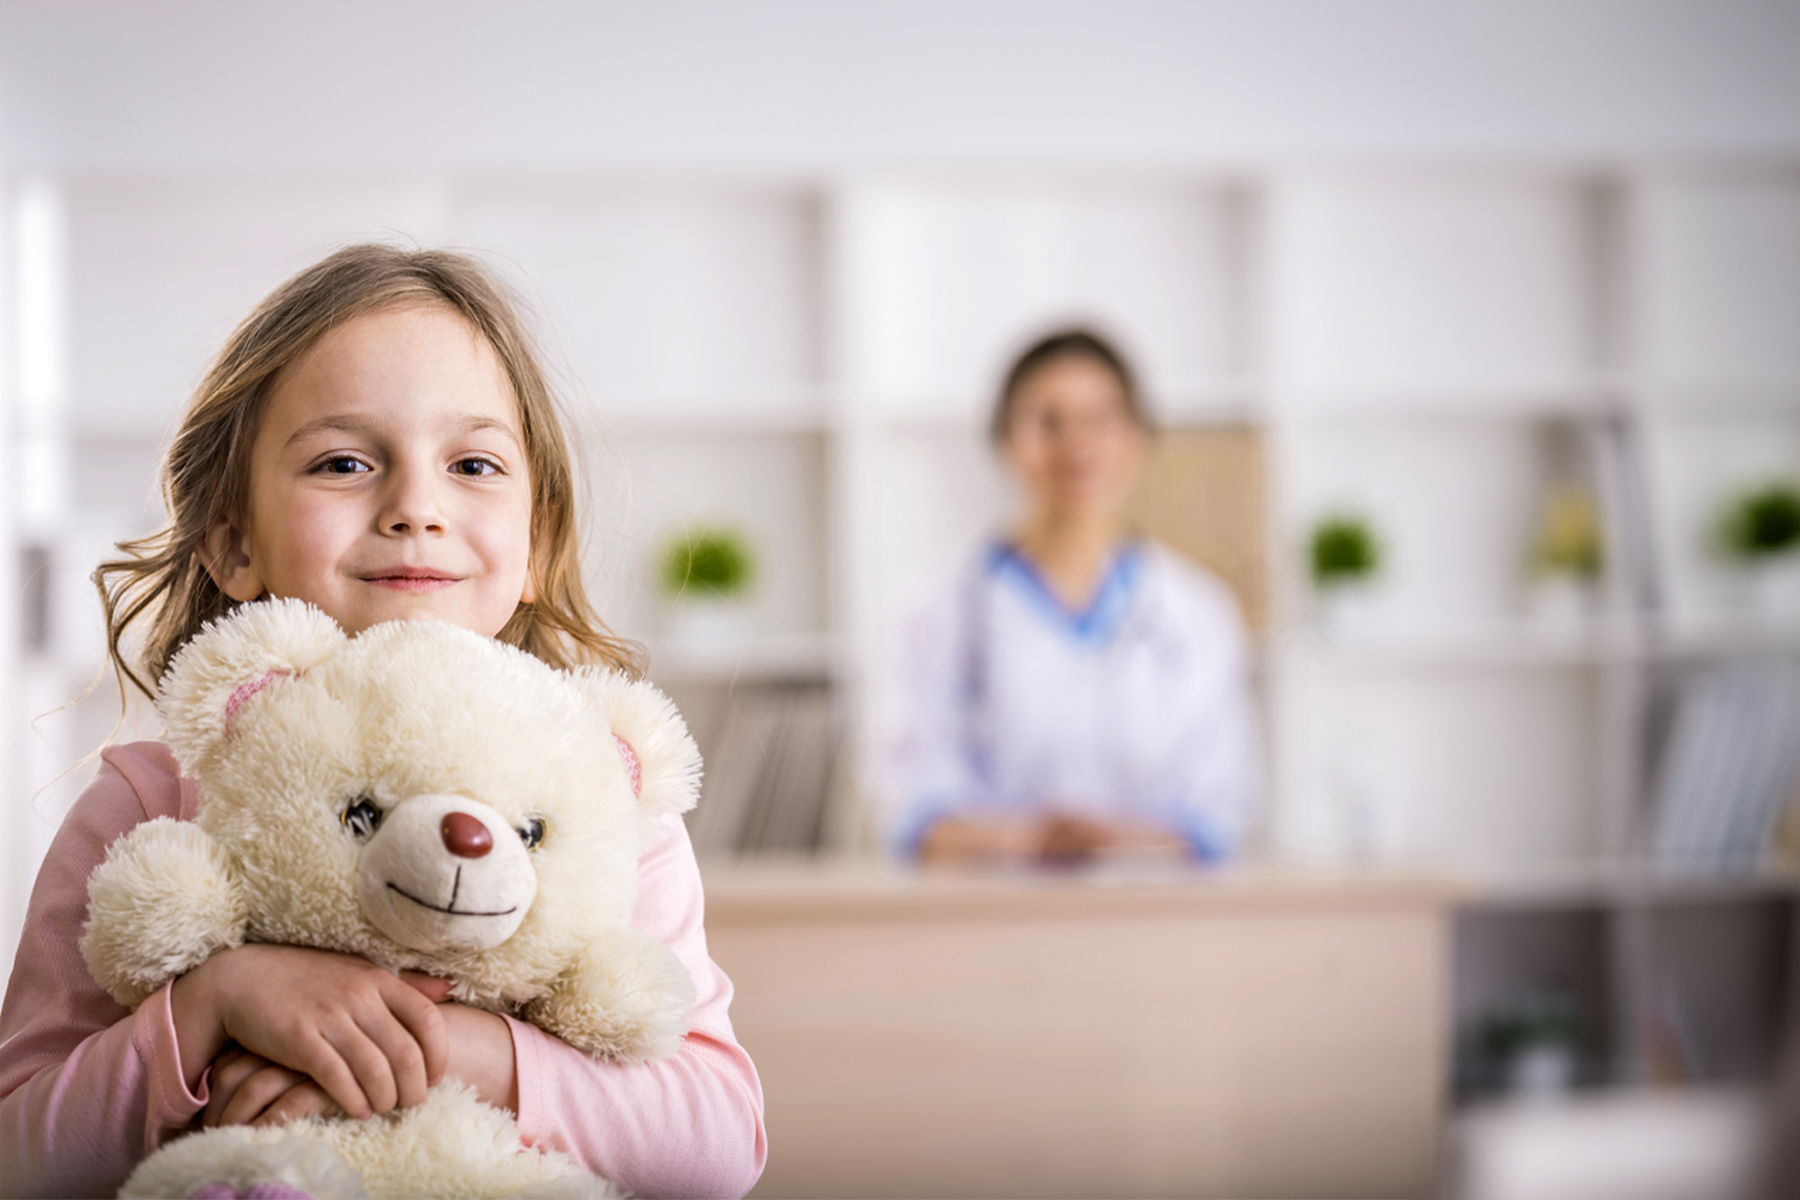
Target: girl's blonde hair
{"x": 205, "y": 476}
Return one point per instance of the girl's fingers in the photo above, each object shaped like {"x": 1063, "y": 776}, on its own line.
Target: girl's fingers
{"x": 226, "y": 1075}
{"x": 328, "y": 1069}
{"x": 368, "y": 1062}
{"x": 402, "y": 1055}
{"x": 305, "y": 1099}
{"x": 256, "y": 1093}
{"x": 429, "y": 986}
{"x": 425, "y": 1024}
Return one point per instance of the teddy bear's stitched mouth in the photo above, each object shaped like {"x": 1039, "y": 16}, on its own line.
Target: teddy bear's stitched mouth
{"x": 454, "y": 912}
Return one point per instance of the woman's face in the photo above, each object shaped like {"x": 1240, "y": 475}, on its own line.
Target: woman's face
{"x": 1072, "y": 441}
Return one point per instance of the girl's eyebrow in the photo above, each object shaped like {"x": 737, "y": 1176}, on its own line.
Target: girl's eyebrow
{"x": 348, "y": 424}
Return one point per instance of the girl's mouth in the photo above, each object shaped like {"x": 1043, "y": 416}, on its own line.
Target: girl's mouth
{"x": 411, "y": 581}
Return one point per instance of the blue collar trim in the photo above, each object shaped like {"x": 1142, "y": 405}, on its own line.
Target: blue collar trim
{"x": 1104, "y": 613}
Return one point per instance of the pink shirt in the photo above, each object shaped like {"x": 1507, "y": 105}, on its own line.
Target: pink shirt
{"x": 88, "y": 1088}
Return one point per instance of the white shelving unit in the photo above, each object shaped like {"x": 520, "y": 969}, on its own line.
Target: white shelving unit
{"x": 812, "y": 360}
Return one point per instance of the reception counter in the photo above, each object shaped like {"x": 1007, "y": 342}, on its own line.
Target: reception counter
{"x": 1127, "y": 1032}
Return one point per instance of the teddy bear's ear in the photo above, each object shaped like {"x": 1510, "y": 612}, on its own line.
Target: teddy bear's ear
{"x": 230, "y": 661}
{"x": 653, "y": 741}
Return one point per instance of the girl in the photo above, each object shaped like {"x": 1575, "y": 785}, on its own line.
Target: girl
{"x": 377, "y": 439}
{"x": 1077, "y": 689}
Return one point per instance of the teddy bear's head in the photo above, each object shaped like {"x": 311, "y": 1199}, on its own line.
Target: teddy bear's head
{"x": 421, "y": 795}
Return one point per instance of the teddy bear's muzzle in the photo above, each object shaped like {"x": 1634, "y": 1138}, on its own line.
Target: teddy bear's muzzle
{"x": 445, "y": 872}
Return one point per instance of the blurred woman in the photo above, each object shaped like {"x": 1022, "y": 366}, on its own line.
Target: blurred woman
{"x": 1078, "y": 689}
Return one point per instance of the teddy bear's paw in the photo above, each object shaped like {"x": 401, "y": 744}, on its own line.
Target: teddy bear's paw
{"x": 161, "y": 904}
{"x": 627, "y": 998}
{"x": 270, "y": 1164}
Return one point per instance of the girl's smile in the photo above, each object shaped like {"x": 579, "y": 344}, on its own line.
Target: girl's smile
{"x": 410, "y": 580}
{"x": 388, "y": 480}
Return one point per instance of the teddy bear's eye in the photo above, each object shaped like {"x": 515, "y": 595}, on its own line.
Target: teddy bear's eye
{"x": 362, "y": 817}
{"x": 531, "y": 833}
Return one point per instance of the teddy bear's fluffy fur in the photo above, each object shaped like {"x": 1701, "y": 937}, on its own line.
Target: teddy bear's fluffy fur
{"x": 329, "y": 768}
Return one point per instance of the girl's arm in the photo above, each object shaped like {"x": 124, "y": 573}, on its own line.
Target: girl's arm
{"x": 690, "y": 1125}
{"x": 87, "y": 1087}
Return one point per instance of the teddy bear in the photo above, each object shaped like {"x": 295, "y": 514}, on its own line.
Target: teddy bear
{"x": 431, "y": 800}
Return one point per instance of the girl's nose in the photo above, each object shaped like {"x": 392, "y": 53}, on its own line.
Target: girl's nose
{"x": 412, "y": 507}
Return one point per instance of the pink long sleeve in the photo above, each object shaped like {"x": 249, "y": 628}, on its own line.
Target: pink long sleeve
{"x": 87, "y": 1087}
{"x": 690, "y": 1125}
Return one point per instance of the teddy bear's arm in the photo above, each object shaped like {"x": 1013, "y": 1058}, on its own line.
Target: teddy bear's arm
{"x": 162, "y": 903}
{"x": 626, "y": 998}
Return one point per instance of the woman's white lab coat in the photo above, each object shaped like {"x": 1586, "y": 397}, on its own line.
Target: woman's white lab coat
{"x": 1005, "y": 702}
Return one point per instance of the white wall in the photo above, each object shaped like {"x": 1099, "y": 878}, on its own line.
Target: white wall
{"x": 801, "y": 85}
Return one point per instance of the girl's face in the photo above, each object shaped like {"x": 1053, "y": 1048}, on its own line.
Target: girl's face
{"x": 388, "y": 480}
{"x": 1072, "y": 441}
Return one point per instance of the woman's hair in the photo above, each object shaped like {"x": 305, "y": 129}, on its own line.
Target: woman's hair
{"x": 205, "y": 475}
{"x": 1066, "y": 343}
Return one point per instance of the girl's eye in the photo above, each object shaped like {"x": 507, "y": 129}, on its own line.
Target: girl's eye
{"x": 361, "y": 817}
{"x": 475, "y": 466}
{"x": 342, "y": 464}
{"x": 532, "y": 833}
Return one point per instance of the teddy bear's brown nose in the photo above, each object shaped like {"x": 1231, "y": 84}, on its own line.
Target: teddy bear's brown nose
{"x": 466, "y": 837}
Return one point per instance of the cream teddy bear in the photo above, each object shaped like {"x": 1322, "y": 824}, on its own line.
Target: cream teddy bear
{"x": 429, "y": 799}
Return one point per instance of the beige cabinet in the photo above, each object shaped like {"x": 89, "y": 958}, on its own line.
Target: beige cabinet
{"x": 1240, "y": 1035}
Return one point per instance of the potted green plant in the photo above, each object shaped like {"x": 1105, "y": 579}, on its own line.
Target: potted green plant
{"x": 1760, "y": 531}
{"x": 1528, "y": 1045}
{"x": 704, "y": 573}
{"x": 1345, "y": 556}
{"x": 1567, "y": 558}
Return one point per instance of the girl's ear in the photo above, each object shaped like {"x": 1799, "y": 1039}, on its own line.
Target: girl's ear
{"x": 223, "y": 555}
{"x": 212, "y": 681}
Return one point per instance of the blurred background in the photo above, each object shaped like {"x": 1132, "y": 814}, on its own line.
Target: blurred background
{"x": 1508, "y": 293}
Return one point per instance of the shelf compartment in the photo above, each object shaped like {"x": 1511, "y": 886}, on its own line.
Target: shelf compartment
{"x": 1697, "y": 464}
{"x": 1718, "y": 260}
{"x": 1504, "y": 959}
{"x": 1719, "y": 972}
{"x": 1455, "y": 505}
{"x": 1458, "y": 284}
{"x": 649, "y": 486}
{"x": 1475, "y": 771}
{"x": 661, "y": 296}
{"x": 944, "y": 283}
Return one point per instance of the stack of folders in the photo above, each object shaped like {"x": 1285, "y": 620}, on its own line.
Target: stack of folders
{"x": 1731, "y": 766}
{"x": 768, "y": 779}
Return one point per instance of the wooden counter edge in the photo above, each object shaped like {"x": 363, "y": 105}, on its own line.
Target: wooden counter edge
{"x": 832, "y": 893}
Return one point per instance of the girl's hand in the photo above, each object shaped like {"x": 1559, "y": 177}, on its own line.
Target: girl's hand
{"x": 369, "y": 1040}
{"x": 248, "y": 1089}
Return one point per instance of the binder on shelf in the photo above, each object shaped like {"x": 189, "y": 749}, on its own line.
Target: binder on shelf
{"x": 768, "y": 780}
{"x": 1732, "y": 763}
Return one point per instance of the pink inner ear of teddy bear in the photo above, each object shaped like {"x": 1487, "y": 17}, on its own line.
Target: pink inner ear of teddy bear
{"x": 244, "y": 691}
{"x": 632, "y": 768}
